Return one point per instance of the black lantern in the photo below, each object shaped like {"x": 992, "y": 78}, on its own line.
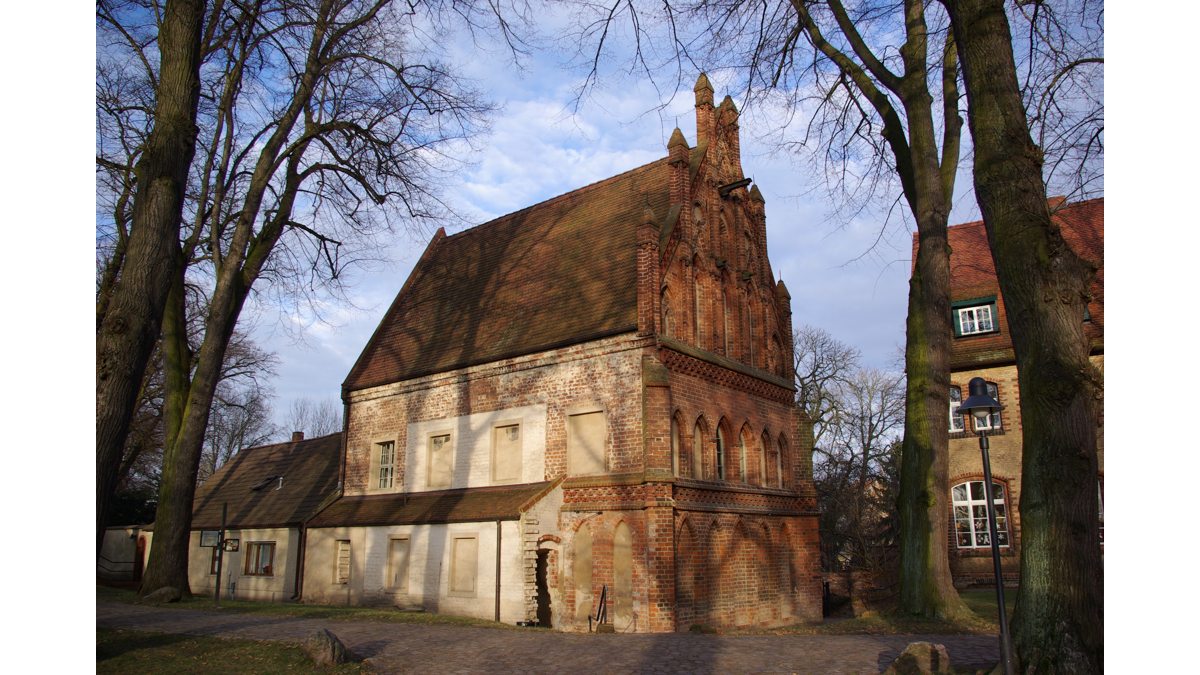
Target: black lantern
{"x": 980, "y": 405}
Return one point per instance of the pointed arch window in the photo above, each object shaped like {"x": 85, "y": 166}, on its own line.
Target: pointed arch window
{"x": 720, "y": 454}
{"x": 697, "y": 452}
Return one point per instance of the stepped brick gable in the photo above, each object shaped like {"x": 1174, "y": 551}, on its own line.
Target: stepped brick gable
{"x": 589, "y": 398}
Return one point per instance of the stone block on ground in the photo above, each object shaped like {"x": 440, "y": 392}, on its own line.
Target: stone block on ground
{"x": 325, "y": 649}
{"x": 920, "y": 658}
{"x": 162, "y": 595}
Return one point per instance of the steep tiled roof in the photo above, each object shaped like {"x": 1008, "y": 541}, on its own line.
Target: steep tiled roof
{"x": 973, "y": 275}
{"x": 310, "y": 474}
{"x": 442, "y": 506}
{"x": 544, "y": 276}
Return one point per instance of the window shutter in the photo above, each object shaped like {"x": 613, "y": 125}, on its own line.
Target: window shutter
{"x": 956, "y": 321}
{"x": 995, "y": 318}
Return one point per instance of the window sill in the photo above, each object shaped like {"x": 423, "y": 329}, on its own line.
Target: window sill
{"x": 973, "y": 434}
{"x": 972, "y": 336}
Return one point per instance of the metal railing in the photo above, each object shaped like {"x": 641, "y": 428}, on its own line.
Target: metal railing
{"x": 602, "y": 611}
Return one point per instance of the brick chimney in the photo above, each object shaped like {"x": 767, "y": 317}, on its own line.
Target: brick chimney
{"x": 297, "y": 436}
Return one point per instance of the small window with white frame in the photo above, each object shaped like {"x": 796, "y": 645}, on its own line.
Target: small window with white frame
{"x": 992, "y": 422}
{"x": 975, "y": 317}
{"x": 957, "y": 423}
{"x": 970, "y": 515}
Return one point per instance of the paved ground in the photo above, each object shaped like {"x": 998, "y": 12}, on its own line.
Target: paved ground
{"x": 457, "y": 650}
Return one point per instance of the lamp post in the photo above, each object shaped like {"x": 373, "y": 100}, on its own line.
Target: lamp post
{"x": 980, "y": 405}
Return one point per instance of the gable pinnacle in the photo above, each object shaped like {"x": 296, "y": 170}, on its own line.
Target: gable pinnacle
{"x": 677, "y": 139}
{"x": 702, "y": 83}
{"x": 728, "y": 103}
{"x": 755, "y": 195}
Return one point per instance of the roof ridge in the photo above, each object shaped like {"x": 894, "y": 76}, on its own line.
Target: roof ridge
{"x": 589, "y": 187}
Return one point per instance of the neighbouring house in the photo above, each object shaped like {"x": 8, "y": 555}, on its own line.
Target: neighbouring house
{"x": 269, "y": 494}
{"x": 589, "y": 398}
{"x": 982, "y": 347}
{"x": 123, "y": 553}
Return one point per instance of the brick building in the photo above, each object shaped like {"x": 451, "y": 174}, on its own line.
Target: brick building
{"x": 591, "y": 393}
{"x": 982, "y": 347}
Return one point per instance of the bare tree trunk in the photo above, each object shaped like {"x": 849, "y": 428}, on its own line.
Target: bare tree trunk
{"x": 1057, "y": 625}
{"x": 133, "y": 316}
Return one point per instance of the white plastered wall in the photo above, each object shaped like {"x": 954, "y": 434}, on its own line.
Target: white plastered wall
{"x": 471, "y": 438}
{"x": 235, "y": 583}
{"x": 429, "y": 569}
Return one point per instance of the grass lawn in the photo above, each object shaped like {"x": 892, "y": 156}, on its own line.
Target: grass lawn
{"x": 298, "y": 611}
{"x": 127, "y": 652}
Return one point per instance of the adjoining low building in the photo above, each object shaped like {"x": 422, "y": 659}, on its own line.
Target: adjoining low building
{"x": 270, "y": 493}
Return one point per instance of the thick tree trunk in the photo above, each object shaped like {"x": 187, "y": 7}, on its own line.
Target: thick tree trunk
{"x": 1057, "y": 625}
{"x": 926, "y": 586}
{"x": 133, "y": 316}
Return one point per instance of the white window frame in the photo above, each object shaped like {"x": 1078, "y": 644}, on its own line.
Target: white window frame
{"x": 976, "y": 525}
{"x": 991, "y": 422}
{"x": 976, "y": 319}
{"x": 382, "y": 466}
{"x": 954, "y": 415}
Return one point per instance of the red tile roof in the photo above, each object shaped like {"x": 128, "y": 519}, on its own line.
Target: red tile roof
{"x": 310, "y": 473}
{"x": 973, "y": 275}
{"x": 442, "y": 506}
{"x": 555, "y": 273}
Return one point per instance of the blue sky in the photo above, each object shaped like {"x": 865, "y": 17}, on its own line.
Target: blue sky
{"x": 843, "y": 276}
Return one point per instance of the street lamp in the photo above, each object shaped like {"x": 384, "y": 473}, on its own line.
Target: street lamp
{"x": 980, "y": 405}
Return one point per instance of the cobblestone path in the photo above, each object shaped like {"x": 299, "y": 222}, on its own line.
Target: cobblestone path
{"x": 461, "y": 650}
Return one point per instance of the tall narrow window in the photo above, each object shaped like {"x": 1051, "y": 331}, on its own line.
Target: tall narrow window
{"x": 762, "y": 460}
{"x": 970, "y": 515}
{"x": 697, "y": 453}
{"x": 674, "y": 447}
{"x": 506, "y": 454}
{"x": 387, "y": 464}
{"x": 720, "y": 454}
{"x": 441, "y": 461}
{"x": 779, "y": 464}
{"x": 465, "y": 565}
{"x": 742, "y": 456}
{"x": 341, "y": 569}
{"x": 398, "y": 565}
{"x": 956, "y": 418}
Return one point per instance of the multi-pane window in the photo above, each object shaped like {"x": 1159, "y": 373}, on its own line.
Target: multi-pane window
{"x": 970, "y": 515}
{"x": 973, "y": 320}
{"x": 341, "y": 569}
{"x": 260, "y": 558}
{"x": 957, "y": 423}
{"x": 387, "y": 464}
{"x": 991, "y": 422}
